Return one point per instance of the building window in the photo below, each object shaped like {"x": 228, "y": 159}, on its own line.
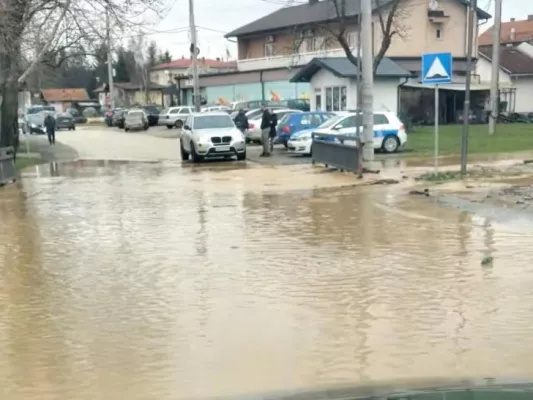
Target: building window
{"x": 351, "y": 38}
{"x": 269, "y": 49}
{"x": 438, "y": 33}
{"x": 336, "y": 98}
{"x": 318, "y": 102}
{"x": 310, "y": 45}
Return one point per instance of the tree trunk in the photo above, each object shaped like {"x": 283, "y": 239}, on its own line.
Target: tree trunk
{"x": 9, "y": 114}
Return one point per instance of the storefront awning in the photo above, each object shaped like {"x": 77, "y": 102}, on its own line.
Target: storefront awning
{"x": 460, "y": 87}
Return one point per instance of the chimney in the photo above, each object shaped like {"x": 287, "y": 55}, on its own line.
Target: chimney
{"x": 218, "y": 58}
{"x": 530, "y": 17}
{"x": 512, "y": 35}
{"x": 512, "y": 19}
{"x": 311, "y": 2}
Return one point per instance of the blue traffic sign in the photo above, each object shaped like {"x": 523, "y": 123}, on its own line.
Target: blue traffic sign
{"x": 437, "y": 68}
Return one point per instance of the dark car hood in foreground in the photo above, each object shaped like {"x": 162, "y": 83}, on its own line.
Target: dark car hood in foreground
{"x": 444, "y": 389}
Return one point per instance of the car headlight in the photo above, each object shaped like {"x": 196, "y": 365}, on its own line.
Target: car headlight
{"x": 305, "y": 137}
{"x": 34, "y": 126}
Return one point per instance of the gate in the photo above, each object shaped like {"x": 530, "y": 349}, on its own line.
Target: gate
{"x": 334, "y": 151}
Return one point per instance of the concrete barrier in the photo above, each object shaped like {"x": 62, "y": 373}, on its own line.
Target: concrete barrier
{"x": 8, "y": 173}
{"x": 338, "y": 151}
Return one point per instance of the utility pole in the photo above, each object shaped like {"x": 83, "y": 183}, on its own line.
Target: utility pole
{"x": 368, "y": 81}
{"x": 494, "y": 82}
{"x": 194, "y": 54}
{"x": 358, "y": 103}
{"x": 109, "y": 58}
{"x": 466, "y": 111}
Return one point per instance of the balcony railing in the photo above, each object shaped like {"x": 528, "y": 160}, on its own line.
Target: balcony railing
{"x": 286, "y": 61}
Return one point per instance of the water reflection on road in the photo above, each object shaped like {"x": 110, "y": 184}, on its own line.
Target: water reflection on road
{"x": 148, "y": 281}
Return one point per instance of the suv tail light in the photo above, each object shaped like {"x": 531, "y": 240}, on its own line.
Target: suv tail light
{"x": 402, "y": 127}
{"x": 286, "y": 129}
{"x": 251, "y": 126}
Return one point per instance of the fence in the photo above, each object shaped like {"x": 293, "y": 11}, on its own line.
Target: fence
{"x": 7, "y": 165}
{"x": 338, "y": 151}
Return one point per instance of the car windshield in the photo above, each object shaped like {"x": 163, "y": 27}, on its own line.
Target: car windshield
{"x": 135, "y": 114}
{"x": 212, "y": 122}
{"x": 38, "y": 109}
{"x": 64, "y": 115}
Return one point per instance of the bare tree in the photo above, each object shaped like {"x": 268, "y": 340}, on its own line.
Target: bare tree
{"x": 51, "y": 26}
{"x": 338, "y": 24}
{"x": 141, "y": 65}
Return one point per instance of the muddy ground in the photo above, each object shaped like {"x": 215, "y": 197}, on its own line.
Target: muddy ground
{"x": 508, "y": 186}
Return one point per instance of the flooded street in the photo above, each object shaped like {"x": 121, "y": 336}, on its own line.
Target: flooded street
{"x": 166, "y": 281}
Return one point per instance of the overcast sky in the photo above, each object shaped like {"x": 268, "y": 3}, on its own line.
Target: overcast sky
{"x": 220, "y": 16}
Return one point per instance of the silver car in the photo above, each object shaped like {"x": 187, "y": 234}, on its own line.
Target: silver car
{"x": 135, "y": 119}
{"x": 174, "y": 116}
{"x": 207, "y": 135}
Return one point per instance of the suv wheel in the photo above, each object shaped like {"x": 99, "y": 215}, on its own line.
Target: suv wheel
{"x": 241, "y": 156}
{"x": 184, "y": 154}
{"x": 195, "y": 157}
{"x": 179, "y": 124}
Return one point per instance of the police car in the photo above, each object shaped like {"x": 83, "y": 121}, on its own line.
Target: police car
{"x": 389, "y": 132}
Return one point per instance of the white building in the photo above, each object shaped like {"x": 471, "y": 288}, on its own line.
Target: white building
{"x": 333, "y": 84}
{"x": 515, "y": 75}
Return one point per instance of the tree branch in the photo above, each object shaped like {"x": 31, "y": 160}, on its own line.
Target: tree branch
{"x": 46, "y": 46}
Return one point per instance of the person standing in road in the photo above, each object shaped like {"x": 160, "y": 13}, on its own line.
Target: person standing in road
{"x": 273, "y": 133}
{"x": 50, "y": 124}
{"x": 266, "y": 122}
{"x": 241, "y": 121}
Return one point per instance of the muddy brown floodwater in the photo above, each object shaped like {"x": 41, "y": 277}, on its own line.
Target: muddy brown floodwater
{"x": 152, "y": 281}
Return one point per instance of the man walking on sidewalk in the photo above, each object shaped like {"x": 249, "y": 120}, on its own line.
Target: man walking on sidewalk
{"x": 50, "y": 124}
{"x": 266, "y": 122}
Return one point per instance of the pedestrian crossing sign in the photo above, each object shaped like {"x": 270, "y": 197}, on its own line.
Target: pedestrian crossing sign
{"x": 437, "y": 68}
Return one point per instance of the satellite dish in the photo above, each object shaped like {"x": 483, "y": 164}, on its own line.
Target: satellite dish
{"x": 433, "y": 5}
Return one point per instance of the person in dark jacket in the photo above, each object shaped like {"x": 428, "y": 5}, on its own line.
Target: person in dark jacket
{"x": 266, "y": 122}
{"x": 50, "y": 124}
{"x": 273, "y": 133}
{"x": 241, "y": 121}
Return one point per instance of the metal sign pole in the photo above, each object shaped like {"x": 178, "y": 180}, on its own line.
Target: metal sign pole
{"x": 436, "y": 155}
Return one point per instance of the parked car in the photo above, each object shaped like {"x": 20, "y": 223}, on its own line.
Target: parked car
{"x": 174, "y": 116}
{"x": 389, "y": 132}
{"x": 35, "y": 123}
{"x": 78, "y": 117}
{"x": 295, "y": 122}
{"x": 152, "y": 112}
{"x": 109, "y": 116}
{"x": 136, "y": 119}
{"x": 211, "y": 135}
{"x": 217, "y": 108}
{"x": 65, "y": 121}
{"x": 118, "y": 118}
{"x": 253, "y": 134}
{"x": 295, "y": 104}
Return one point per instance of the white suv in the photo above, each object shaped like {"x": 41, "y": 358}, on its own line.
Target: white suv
{"x": 174, "y": 116}
{"x": 211, "y": 134}
{"x": 389, "y": 132}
